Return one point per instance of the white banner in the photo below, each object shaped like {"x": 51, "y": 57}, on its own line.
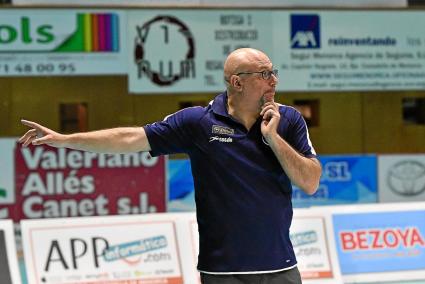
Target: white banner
{"x": 314, "y": 246}
{"x": 381, "y": 242}
{"x": 119, "y": 250}
{"x": 7, "y": 180}
{"x": 62, "y": 42}
{"x": 190, "y": 244}
{"x": 342, "y": 50}
{"x": 313, "y": 243}
{"x": 152, "y": 247}
{"x": 401, "y": 178}
{"x": 249, "y": 3}
{"x": 9, "y": 270}
{"x": 143, "y": 3}
{"x": 183, "y": 51}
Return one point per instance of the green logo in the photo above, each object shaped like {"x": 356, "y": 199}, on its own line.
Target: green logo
{"x": 3, "y": 192}
{"x": 93, "y": 33}
{"x": 27, "y": 33}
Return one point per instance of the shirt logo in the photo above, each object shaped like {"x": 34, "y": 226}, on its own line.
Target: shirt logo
{"x": 221, "y": 139}
{"x": 217, "y": 129}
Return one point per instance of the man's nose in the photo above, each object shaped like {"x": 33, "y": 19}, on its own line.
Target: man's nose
{"x": 273, "y": 80}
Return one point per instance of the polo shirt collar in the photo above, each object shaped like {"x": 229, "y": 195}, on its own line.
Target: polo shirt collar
{"x": 219, "y": 105}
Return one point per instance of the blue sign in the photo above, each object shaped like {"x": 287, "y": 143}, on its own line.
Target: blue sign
{"x": 380, "y": 241}
{"x": 345, "y": 180}
{"x": 180, "y": 186}
{"x": 305, "y": 31}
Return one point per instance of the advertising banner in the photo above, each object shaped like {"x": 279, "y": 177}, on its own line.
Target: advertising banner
{"x": 37, "y": 42}
{"x": 310, "y": 248}
{"x": 191, "y": 239}
{"x": 114, "y": 249}
{"x": 401, "y": 178}
{"x": 7, "y": 182}
{"x": 385, "y": 242}
{"x": 314, "y": 247}
{"x": 344, "y": 180}
{"x": 307, "y": 3}
{"x": 184, "y": 51}
{"x": 181, "y": 196}
{"x": 52, "y": 183}
{"x": 350, "y": 179}
{"x": 9, "y": 271}
{"x": 249, "y": 3}
{"x": 119, "y": 2}
{"x": 349, "y": 50}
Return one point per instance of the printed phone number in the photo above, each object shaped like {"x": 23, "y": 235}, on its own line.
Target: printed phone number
{"x": 38, "y": 68}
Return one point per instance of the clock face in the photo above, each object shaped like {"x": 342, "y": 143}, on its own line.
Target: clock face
{"x": 164, "y": 50}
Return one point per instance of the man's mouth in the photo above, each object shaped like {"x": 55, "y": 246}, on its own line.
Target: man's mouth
{"x": 268, "y": 97}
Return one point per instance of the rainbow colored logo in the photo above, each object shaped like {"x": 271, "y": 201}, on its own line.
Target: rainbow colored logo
{"x": 95, "y": 33}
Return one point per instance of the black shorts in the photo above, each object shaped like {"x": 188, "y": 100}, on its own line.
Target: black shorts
{"x": 290, "y": 276}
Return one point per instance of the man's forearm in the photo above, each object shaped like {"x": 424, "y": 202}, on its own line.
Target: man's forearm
{"x": 114, "y": 140}
{"x": 303, "y": 172}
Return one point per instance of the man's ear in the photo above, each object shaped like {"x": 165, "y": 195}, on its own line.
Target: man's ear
{"x": 235, "y": 81}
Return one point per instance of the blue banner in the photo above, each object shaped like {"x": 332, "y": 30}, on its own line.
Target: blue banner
{"x": 380, "y": 241}
{"x": 181, "y": 192}
{"x": 345, "y": 180}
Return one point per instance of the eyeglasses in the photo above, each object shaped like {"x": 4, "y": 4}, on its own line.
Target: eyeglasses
{"x": 266, "y": 74}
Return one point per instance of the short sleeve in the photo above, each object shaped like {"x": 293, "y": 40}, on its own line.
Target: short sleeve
{"x": 174, "y": 134}
{"x": 299, "y": 136}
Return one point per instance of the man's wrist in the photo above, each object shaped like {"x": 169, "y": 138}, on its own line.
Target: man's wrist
{"x": 67, "y": 140}
{"x": 272, "y": 138}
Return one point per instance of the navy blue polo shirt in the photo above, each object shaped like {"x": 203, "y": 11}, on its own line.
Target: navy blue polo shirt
{"x": 242, "y": 194}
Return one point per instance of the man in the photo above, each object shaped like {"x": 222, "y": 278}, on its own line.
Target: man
{"x": 245, "y": 151}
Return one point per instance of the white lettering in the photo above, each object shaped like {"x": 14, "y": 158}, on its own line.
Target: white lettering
{"x": 36, "y": 207}
{"x": 88, "y": 159}
{"x": 221, "y": 139}
{"x": 55, "y": 183}
{"x": 49, "y": 160}
{"x": 32, "y": 160}
{"x": 28, "y": 207}
{"x": 75, "y": 159}
{"x": 87, "y": 184}
{"x": 63, "y": 158}
{"x": 114, "y": 161}
{"x": 147, "y": 160}
{"x": 34, "y": 184}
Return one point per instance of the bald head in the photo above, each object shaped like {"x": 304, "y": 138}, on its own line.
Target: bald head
{"x": 244, "y": 59}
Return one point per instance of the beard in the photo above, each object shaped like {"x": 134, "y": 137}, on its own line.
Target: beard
{"x": 265, "y": 99}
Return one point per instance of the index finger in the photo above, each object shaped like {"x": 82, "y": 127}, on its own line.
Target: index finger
{"x": 269, "y": 104}
{"x": 31, "y": 124}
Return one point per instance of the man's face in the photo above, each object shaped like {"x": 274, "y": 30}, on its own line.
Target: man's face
{"x": 257, "y": 86}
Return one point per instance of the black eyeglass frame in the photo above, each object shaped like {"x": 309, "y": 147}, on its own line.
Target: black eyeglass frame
{"x": 266, "y": 74}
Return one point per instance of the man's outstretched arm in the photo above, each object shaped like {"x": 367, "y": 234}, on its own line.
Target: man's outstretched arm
{"x": 114, "y": 140}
